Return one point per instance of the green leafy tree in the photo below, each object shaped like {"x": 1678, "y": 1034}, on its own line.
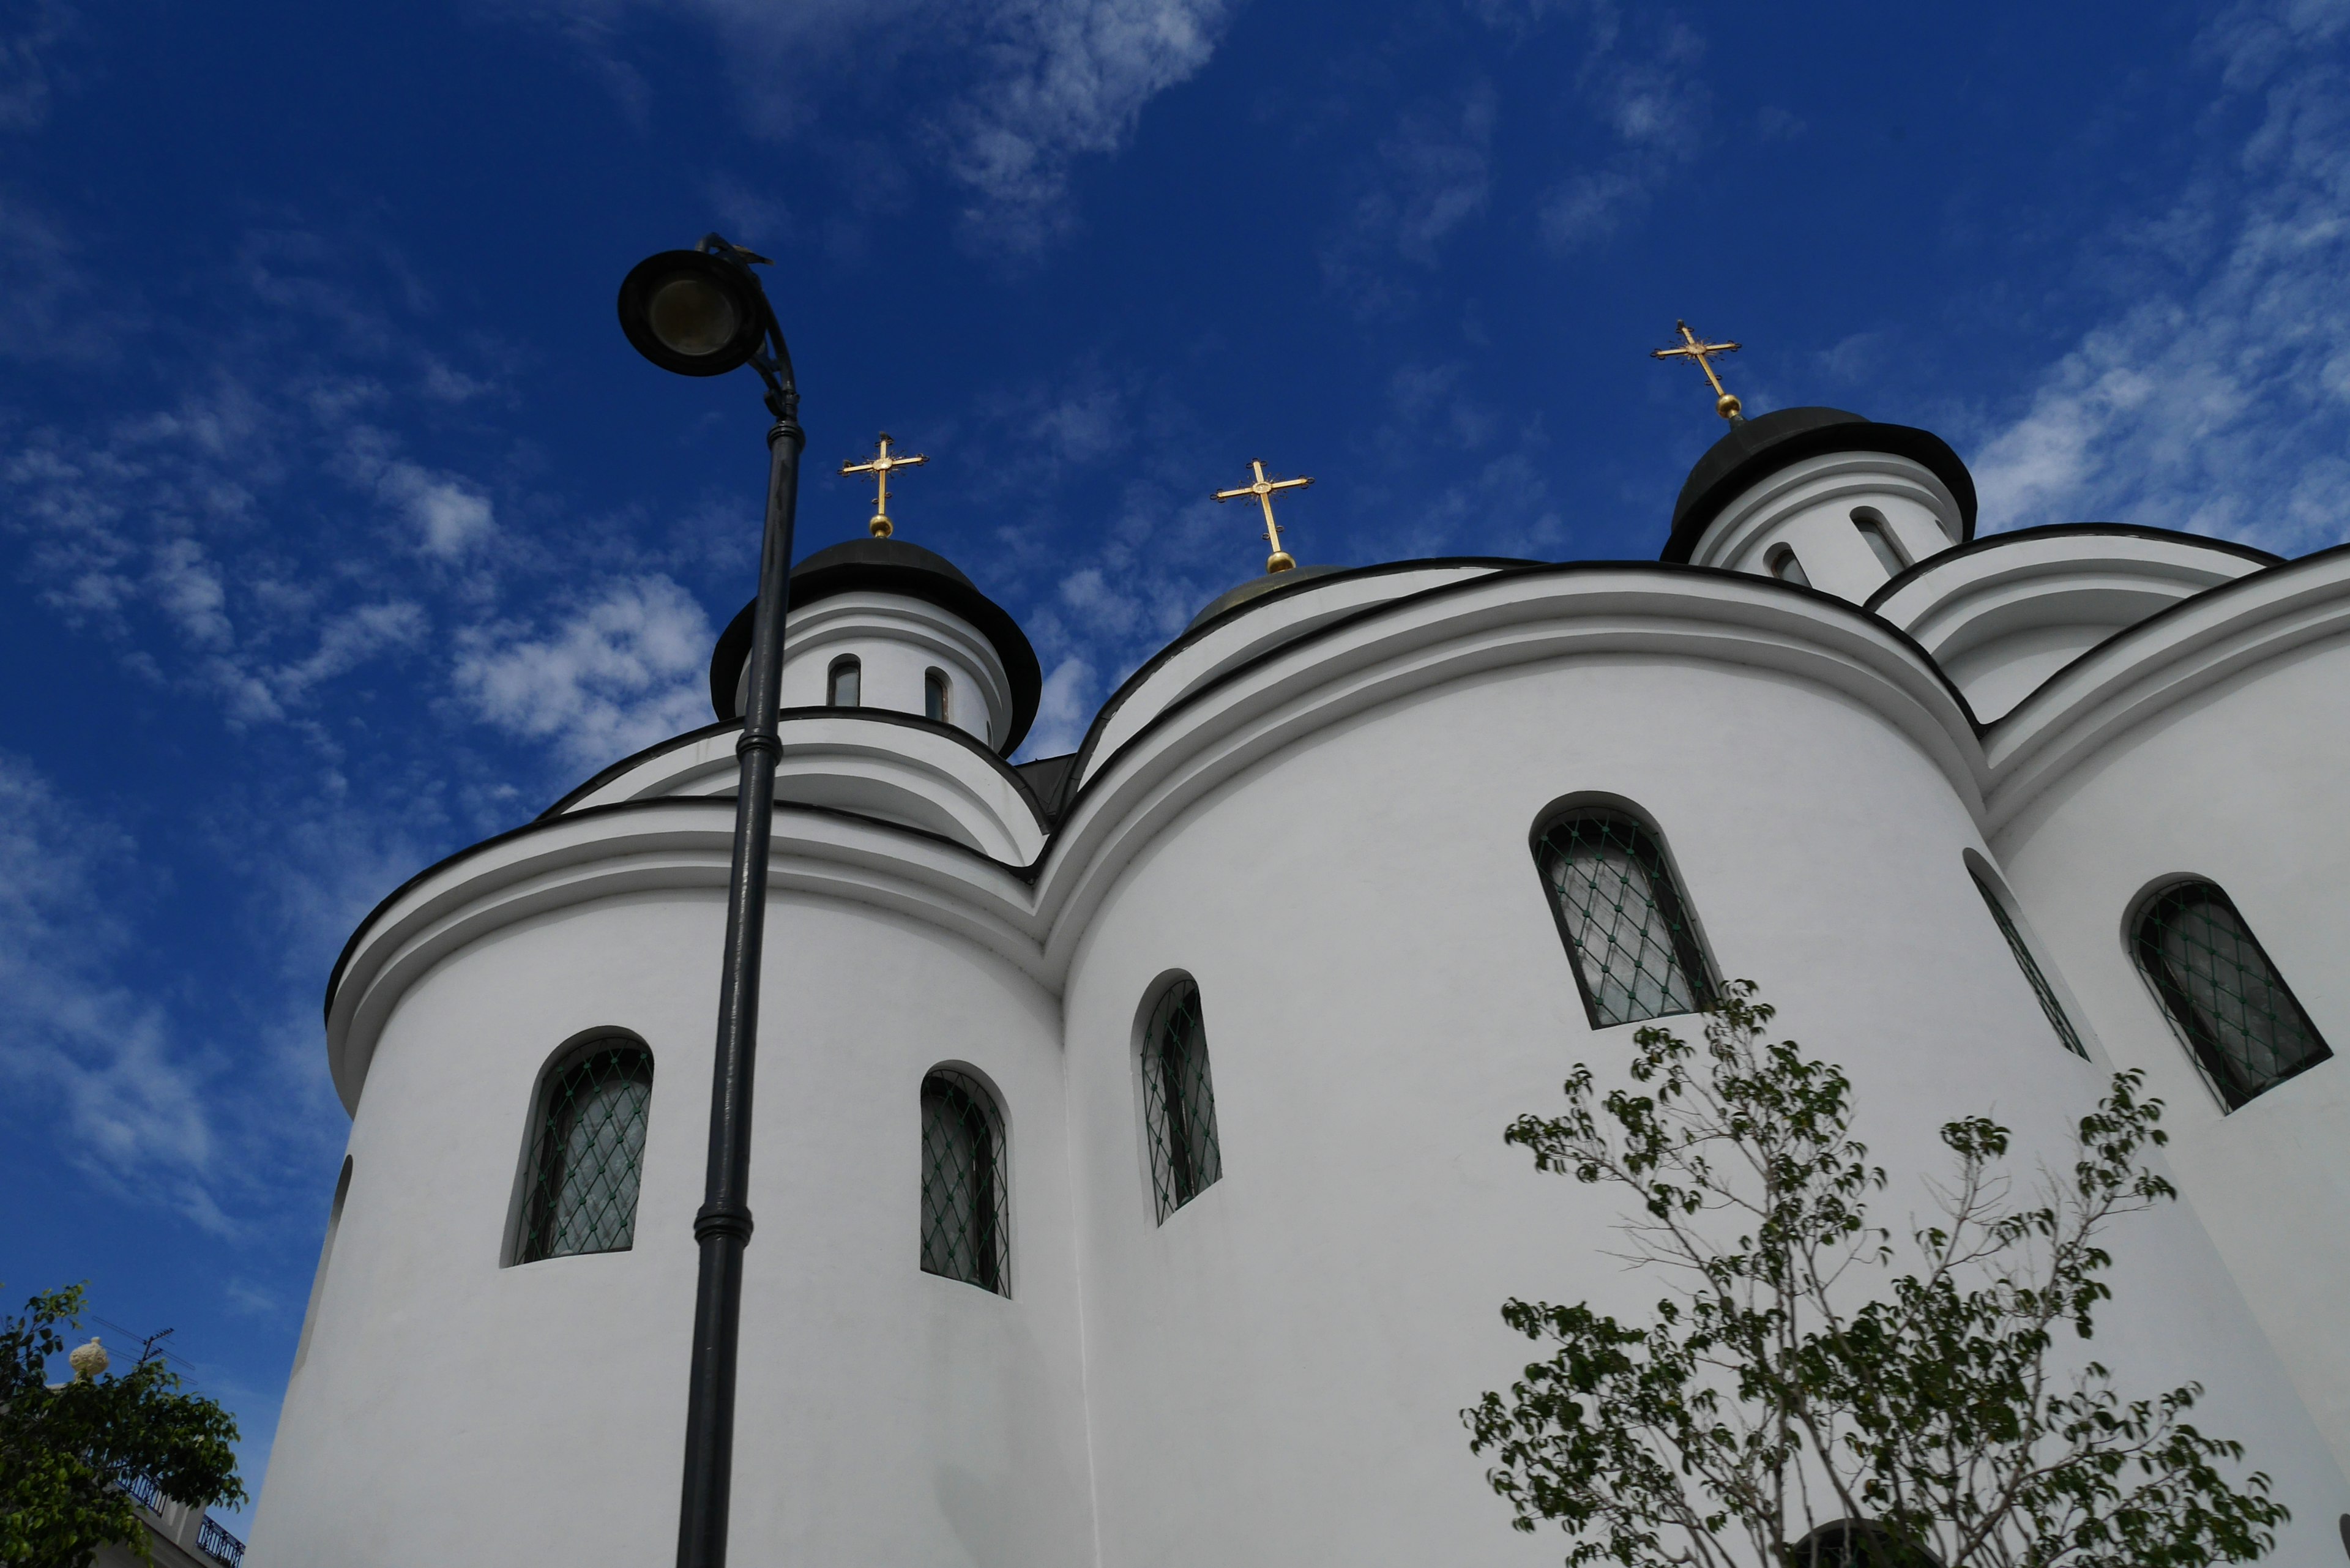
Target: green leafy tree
{"x": 65, "y": 1451}
{"x": 1798, "y": 1399}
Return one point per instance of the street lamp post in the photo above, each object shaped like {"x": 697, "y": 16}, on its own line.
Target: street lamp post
{"x": 703, "y": 313}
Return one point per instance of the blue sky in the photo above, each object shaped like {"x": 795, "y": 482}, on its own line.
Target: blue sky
{"x": 340, "y": 528}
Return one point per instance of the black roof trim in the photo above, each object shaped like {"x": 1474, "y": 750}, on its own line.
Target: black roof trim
{"x": 2175, "y": 607}
{"x": 1761, "y": 446}
{"x": 784, "y": 716}
{"x": 1197, "y": 629}
{"x": 620, "y": 807}
{"x": 1514, "y": 569}
{"x": 1050, "y": 776}
{"x": 1032, "y": 872}
{"x": 893, "y": 566}
{"x": 2066, "y": 530}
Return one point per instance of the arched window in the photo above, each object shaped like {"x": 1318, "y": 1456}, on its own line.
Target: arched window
{"x": 2224, "y": 996}
{"x": 1781, "y": 560}
{"x": 1879, "y": 534}
{"x": 1178, "y": 1100}
{"x": 585, "y": 1162}
{"x": 964, "y": 1232}
{"x": 2031, "y": 967}
{"x": 935, "y": 688}
{"x": 1856, "y": 1543}
{"x": 1635, "y": 950}
{"x": 842, "y": 683}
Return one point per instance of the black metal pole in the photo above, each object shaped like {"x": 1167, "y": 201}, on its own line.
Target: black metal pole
{"x": 723, "y": 1227}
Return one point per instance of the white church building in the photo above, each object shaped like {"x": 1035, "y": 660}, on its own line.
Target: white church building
{"x": 1128, "y": 1171}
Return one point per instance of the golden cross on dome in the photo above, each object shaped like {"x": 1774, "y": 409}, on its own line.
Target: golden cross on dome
{"x": 879, "y": 467}
{"x": 1692, "y": 347}
{"x": 1280, "y": 560}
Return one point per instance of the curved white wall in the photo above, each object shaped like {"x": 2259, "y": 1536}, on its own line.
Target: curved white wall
{"x": 1275, "y": 1371}
{"x": 450, "y": 1410}
{"x": 2005, "y": 613}
{"x": 1331, "y": 837}
{"x": 896, "y": 639}
{"x": 1808, "y": 507}
{"x": 2243, "y": 786}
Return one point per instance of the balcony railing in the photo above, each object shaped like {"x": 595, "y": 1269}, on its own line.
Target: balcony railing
{"x": 211, "y": 1539}
{"x": 217, "y": 1542}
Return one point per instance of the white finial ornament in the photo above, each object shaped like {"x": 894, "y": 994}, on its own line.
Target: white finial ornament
{"x": 87, "y": 1360}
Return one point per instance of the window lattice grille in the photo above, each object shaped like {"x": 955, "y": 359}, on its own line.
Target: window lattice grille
{"x": 1635, "y": 949}
{"x": 589, "y": 1154}
{"x": 2031, "y": 967}
{"x": 966, "y": 1228}
{"x": 1179, "y": 1101}
{"x": 2241, "y": 1020}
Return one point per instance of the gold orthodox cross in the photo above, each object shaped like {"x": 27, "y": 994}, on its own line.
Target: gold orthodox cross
{"x": 1692, "y": 347}
{"x": 1280, "y": 560}
{"x": 879, "y": 467}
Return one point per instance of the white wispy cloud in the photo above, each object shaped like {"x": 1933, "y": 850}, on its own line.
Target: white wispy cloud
{"x": 134, "y": 1105}
{"x": 1064, "y": 79}
{"x": 1426, "y": 178}
{"x": 1031, "y": 85}
{"x": 2219, "y": 400}
{"x": 626, "y": 670}
{"x": 1071, "y": 695}
{"x": 1641, "y": 84}
{"x": 27, "y": 40}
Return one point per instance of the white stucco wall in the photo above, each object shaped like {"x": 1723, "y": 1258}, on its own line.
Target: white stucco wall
{"x": 1331, "y": 837}
{"x": 896, "y": 639}
{"x": 452, "y": 1410}
{"x": 2241, "y": 785}
{"x": 1809, "y": 507}
{"x": 1384, "y": 989}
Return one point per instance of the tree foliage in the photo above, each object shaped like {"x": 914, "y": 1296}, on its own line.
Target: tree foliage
{"x": 67, "y": 1451}
{"x": 1793, "y": 1382}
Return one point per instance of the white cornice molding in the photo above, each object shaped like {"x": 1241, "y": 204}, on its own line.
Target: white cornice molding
{"x": 2140, "y": 674}
{"x": 1493, "y": 622}
{"x": 657, "y": 845}
{"x": 1385, "y": 653}
{"x": 1954, "y": 601}
{"x": 1233, "y": 641}
{"x": 1830, "y": 476}
{"x": 920, "y": 775}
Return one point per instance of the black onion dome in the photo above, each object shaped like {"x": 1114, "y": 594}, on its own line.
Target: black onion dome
{"x": 893, "y": 566}
{"x": 1755, "y": 448}
{"x": 1257, "y": 587}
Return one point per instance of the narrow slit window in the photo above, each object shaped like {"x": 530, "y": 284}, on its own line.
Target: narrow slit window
{"x": 588, "y": 1157}
{"x": 966, "y": 1228}
{"x": 2246, "y": 1029}
{"x": 1879, "y": 534}
{"x": 1784, "y": 566}
{"x": 935, "y": 693}
{"x": 843, "y": 684}
{"x": 1179, "y": 1100}
{"x": 2032, "y": 972}
{"x": 1635, "y": 948}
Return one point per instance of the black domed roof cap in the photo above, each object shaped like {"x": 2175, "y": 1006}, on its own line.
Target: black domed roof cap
{"x": 1754, "y": 449}
{"x": 893, "y": 566}
{"x": 1257, "y": 587}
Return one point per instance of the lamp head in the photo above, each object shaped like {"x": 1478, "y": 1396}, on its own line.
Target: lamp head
{"x": 693, "y": 312}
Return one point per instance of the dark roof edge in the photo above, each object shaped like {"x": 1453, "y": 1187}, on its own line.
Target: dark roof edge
{"x": 1920, "y": 446}
{"x": 619, "y": 807}
{"x": 952, "y": 593}
{"x": 1192, "y": 634}
{"x": 1877, "y": 624}
{"x": 786, "y": 715}
{"x": 2054, "y": 530}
